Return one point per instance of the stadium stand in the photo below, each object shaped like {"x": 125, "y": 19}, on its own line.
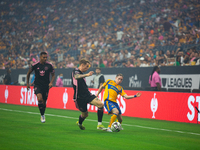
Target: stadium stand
{"x": 154, "y": 32}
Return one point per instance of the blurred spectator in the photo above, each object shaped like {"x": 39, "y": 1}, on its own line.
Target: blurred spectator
{"x": 178, "y": 61}
{"x": 59, "y": 81}
{"x": 7, "y": 79}
{"x": 155, "y": 80}
{"x": 98, "y": 79}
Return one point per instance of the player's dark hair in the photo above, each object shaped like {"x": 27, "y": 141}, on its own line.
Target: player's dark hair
{"x": 43, "y": 53}
{"x": 154, "y": 69}
{"x": 119, "y": 74}
{"x": 83, "y": 61}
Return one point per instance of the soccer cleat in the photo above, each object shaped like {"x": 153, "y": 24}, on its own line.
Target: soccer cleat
{"x": 121, "y": 128}
{"x": 43, "y": 119}
{"x": 80, "y": 126}
{"x": 101, "y": 127}
{"x": 108, "y": 130}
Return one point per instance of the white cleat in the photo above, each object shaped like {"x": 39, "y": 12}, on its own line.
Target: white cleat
{"x": 43, "y": 119}
{"x": 108, "y": 130}
{"x": 101, "y": 127}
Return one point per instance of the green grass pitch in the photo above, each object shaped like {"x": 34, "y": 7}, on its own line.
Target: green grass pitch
{"x": 20, "y": 128}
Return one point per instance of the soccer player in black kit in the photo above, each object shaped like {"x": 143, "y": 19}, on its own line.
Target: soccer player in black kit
{"x": 42, "y": 83}
{"x": 82, "y": 95}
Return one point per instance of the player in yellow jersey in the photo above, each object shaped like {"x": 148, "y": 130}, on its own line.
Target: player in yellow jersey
{"x": 112, "y": 89}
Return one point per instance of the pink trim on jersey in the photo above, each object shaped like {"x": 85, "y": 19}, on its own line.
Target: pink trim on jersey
{"x": 76, "y": 84}
{"x": 35, "y": 63}
{"x": 74, "y": 80}
{"x": 49, "y": 63}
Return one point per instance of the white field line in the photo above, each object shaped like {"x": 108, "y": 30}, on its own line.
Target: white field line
{"x": 151, "y": 128}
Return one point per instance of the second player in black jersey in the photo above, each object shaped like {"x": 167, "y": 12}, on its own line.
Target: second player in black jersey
{"x": 82, "y": 95}
{"x": 80, "y": 86}
{"x": 42, "y": 82}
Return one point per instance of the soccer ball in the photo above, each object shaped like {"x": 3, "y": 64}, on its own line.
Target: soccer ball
{"x": 116, "y": 127}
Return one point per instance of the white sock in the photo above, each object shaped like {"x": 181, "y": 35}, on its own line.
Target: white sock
{"x": 99, "y": 123}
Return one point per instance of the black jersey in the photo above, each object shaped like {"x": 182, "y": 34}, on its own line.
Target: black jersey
{"x": 79, "y": 85}
{"x": 42, "y": 73}
{"x": 8, "y": 79}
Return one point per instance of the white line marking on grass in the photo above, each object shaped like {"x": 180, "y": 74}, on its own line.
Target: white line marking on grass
{"x": 162, "y": 129}
{"x": 103, "y": 121}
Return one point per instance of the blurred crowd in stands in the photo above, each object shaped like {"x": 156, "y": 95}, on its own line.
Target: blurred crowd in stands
{"x": 110, "y": 33}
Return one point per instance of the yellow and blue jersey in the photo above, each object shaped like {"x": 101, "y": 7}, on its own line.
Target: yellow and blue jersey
{"x": 112, "y": 90}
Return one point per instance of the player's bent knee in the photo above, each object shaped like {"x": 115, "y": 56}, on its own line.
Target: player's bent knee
{"x": 85, "y": 115}
{"x": 40, "y": 101}
{"x": 101, "y": 105}
{"x": 115, "y": 111}
{"x": 40, "y": 98}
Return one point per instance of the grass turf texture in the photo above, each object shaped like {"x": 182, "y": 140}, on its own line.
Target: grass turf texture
{"x": 20, "y": 129}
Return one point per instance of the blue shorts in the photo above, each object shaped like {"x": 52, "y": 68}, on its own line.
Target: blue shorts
{"x": 109, "y": 105}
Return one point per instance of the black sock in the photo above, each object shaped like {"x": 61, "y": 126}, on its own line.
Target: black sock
{"x": 81, "y": 119}
{"x": 44, "y": 108}
{"x": 41, "y": 108}
{"x": 100, "y": 114}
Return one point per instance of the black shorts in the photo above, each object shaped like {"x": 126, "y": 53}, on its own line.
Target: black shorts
{"x": 42, "y": 90}
{"x": 81, "y": 103}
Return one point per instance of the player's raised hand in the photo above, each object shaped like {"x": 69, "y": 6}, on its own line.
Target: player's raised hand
{"x": 50, "y": 85}
{"x": 138, "y": 94}
{"x": 90, "y": 73}
{"x": 27, "y": 86}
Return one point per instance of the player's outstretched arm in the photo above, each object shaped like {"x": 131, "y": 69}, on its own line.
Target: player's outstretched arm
{"x": 132, "y": 96}
{"x": 52, "y": 80}
{"x": 27, "y": 79}
{"x": 79, "y": 76}
{"x": 100, "y": 89}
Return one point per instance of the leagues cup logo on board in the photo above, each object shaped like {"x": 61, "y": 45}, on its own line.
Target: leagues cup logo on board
{"x": 65, "y": 98}
{"x": 183, "y": 81}
{"x": 154, "y": 105}
{"x": 6, "y": 94}
{"x": 134, "y": 82}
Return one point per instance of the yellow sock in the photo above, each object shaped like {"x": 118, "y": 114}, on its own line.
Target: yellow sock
{"x": 112, "y": 119}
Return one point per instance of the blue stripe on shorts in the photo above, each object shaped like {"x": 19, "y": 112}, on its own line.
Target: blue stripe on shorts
{"x": 109, "y": 105}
